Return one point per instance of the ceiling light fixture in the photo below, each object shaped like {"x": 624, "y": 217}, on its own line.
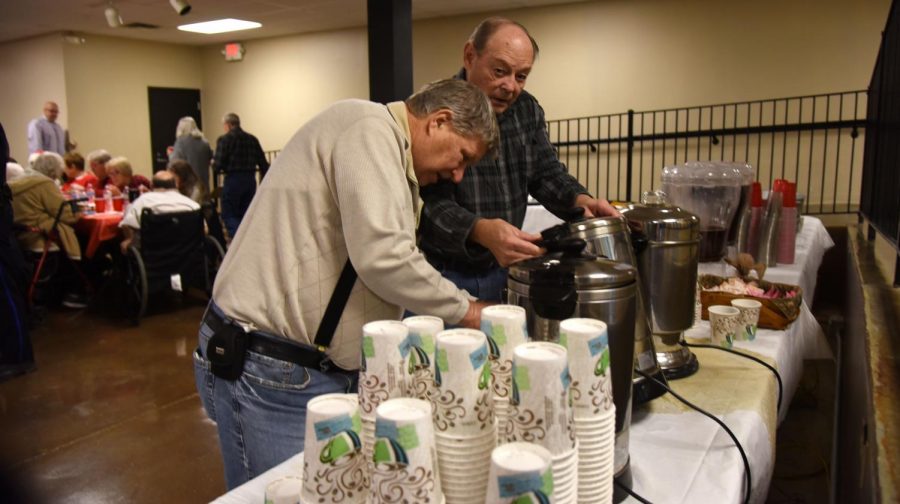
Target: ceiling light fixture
{"x": 113, "y": 18}
{"x": 180, "y": 6}
{"x": 219, "y": 26}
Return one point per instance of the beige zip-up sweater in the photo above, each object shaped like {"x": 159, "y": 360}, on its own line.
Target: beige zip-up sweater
{"x": 344, "y": 184}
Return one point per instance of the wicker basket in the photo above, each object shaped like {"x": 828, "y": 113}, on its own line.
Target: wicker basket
{"x": 775, "y": 313}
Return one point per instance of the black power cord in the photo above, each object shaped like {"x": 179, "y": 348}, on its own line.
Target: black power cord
{"x": 760, "y": 361}
{"x": 737, "y": 444}
{"x": 630, "y": 492}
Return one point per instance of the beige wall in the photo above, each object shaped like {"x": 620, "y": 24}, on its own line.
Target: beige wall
{"x": 106, "y": 83}
{"x": 609, "y": 56}
{"x": 283, "y": 82}
{"x": 31, "y": 72}
{"x": 596, "y": 57}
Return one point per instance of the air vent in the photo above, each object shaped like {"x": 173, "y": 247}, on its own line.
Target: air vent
{"x": 140, "y": 25}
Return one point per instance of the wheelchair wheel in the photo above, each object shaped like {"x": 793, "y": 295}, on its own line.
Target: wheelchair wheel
{"x": 214, "y": 253}
{"x": 135, "y": 285}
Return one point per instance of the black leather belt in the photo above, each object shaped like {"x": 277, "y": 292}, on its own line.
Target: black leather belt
{"x": 272, "y": 346}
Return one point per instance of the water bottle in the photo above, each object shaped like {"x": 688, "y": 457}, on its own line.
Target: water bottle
{"x": 108, "y": 202}
{"x": 89, "y": 194}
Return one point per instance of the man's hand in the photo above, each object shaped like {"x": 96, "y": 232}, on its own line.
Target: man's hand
{"x": 595, "y": 207}
{"x": 472, "y": 319}
{"x": 508, "y": 243}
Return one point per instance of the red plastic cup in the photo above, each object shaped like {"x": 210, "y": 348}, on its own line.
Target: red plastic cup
{"x": 100, "y": 205}
{"x": 118, "y": 203}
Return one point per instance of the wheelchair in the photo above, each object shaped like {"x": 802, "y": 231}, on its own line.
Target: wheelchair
{"x": 174, "y": 253}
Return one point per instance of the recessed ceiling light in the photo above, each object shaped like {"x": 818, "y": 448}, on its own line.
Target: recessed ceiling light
{"x": 220, "y": 26}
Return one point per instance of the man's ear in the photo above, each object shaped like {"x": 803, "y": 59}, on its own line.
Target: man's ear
{"x": 440, "y": 119}
{"x": 469, "y": 55}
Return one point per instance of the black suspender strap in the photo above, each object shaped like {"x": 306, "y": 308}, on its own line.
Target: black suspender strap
{"x": 335, "y": 307}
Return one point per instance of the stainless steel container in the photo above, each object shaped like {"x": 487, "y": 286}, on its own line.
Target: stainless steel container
{"x": 668, "y": 268}
{"x": 567, "y": 284}
{"x": 610, "y": 237}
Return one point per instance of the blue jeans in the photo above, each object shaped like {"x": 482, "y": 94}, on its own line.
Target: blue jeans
{"x": 487, "y": 285}
{"x": 261, "y": 416}
{"x": 237, "y": 193}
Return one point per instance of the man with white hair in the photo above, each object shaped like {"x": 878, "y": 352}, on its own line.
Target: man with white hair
{"x": 164, "y": 198}
{"x": 44, "y": 134}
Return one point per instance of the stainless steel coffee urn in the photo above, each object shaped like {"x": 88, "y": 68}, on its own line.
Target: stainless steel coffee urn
{"x": 610, "y": 238}
{"x": 569, "y": 282}
{"x": 668, "y": 248}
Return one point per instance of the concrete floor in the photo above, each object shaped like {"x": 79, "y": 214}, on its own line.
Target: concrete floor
{"x": 112, "y": 415}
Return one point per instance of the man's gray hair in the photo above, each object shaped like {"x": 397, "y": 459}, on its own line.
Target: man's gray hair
{"x": 472, "y": 115}
{"x": 98, "y": 156}
{"x": 486, "y": 29}
{"x": 49, "y": 164}
{"x": 231, "y": 119}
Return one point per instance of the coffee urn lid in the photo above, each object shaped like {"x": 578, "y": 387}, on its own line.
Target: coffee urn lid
{"x": 582, "y": 270}
{"x": 659, "y": 221}
{"x": 599, "y": 225}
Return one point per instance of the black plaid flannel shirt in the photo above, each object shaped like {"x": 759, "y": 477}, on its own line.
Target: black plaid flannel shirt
{"x": 497, "y": 188}
{"x": 239, "y": 151}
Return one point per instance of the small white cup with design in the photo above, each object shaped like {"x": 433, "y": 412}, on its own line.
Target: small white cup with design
{"x": 520, "y": 470}
{"x": 750, "y": 309}
{"x": 462, "y": 384}
{"x": 404, "y": 457}
{"x": 422, "y": 332}
{"x": 540, "y": 410}
{"x": 724, "y": 322}
{"x": 333, "y": 462}
{"x": 383, "y": 371}
{"x": 587, "y": 342}
{"x": 284, "y": 491}
{"x": 506, "y": 328}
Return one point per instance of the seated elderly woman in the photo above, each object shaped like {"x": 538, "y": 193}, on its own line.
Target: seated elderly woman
{"x": 35, "y": 201}
{"x": 186, "y": 180}
{"x": 122, "y": 177}
{"x": 76, "y": 178}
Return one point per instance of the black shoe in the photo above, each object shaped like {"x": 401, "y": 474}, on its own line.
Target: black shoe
{"x": 73, "y": 300}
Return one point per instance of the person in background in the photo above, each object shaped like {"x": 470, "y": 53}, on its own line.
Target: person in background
{"x": 122, "y": 178}
{"x": 471, "y": 231}
{"x": 96, "y": 161}
{"x": 44, "y": 134}
{"x": 186, "y": 180}
{"x": 164, "y": 198}
{"x": 76, "y": 178}
{"x": 192, "y": 146}
{"x": 36, "y": 199}
{"x": 238, "y": 155}
{"x": 16, "y": 354}
{"x": 345, "y": 187}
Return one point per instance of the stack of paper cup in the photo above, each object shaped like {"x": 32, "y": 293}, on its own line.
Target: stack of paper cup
{"x": 334, "y": 469}
{"x": 465, "y": 431}
{"x": 506, "y": 328}
{"x": 383, "y": 373}
{"x": 422, "y": 331}
{"x": 520, "y": 472}
{"x": 404, "y": 456}
{"x": 540, "y": 411}
{"x": 595, "y": 413}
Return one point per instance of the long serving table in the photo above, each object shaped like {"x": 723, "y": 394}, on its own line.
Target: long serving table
{"x": 678, "y": 455}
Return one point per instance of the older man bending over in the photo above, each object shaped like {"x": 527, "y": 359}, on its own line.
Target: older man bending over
{"x": 164, "y": 198}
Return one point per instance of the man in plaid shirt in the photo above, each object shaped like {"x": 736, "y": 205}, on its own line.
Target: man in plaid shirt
{"x": 471, "y": 231}
{"x": 238, "y": 153}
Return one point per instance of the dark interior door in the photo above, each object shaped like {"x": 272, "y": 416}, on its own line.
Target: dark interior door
{"x": 167, "y": 106}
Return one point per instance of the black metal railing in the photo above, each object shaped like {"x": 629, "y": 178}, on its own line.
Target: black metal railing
{"x": 881, "y": 168}
{"x": 812, "y": 140}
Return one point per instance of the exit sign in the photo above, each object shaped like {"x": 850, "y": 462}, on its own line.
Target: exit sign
{"x": 234, "y": 51}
